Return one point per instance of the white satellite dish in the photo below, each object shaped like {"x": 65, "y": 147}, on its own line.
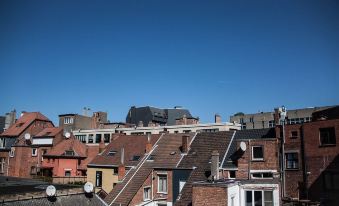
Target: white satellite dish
{"x": 27, "y": 136}
{"x": 67, "y": 135}
{"x": 50, "y": 191}
{"x": 243, "y": 146}
{"x": 88, "y": 187}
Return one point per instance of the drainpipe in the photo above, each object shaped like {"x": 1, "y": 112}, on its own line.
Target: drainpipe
{"x": 303, "y": 161}
{"x": 283, "y": 159}
{"x": 249, "y": 160}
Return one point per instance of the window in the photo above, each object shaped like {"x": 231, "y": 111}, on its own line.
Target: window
{"x": 271, "y": 124}
{"x": 81, "y": 138}
{"x": 231, "y": 174}
{"x": 262, "y": 175}
{"x": 106, "y": 138}
{"x": 162, "y": 183}
{"x": 115, "y": 170}
{"x": 68, "y": 120}
{"x": 97, "y": 138}
{"x": 147, "y": 193}
{"x": 308, "y": 119}
{"x": 292, "y": 161}
{"x": 181, "y": 184}
{"x": 98, "y": 179}
{"x": 258, "y": 198}
{"x": 2, "y": 165}
{"x": 327, "y": 136}
{"x": 111, "y": 153}
{"x": 34, "y": 152}
{"x": 251, "y": 119}
{"x": 135, "y": 157}
{"x": 151, "y": 158}
{"x": 294, "y": 134}
{"x": 2, "y": 142}
{"x": 257, "y": 153}
{"x": 69, "y": 153}
{"x": 331, "y": 180}
{"x": 67, "y": 173}
{"x": 90, "y": 138}
{"x": 19, "y": 124}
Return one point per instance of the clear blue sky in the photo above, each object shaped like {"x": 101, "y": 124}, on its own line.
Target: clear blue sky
{"x": 208, "y": 56}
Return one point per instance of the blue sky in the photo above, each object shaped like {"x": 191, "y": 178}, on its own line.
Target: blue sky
{"x": 208, "y": 56}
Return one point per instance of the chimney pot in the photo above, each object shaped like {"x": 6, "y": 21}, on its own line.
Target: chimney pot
{"x": 148, "y": 144}
{"x": 215, "y": 165}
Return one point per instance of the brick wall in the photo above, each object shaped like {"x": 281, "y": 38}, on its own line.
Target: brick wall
{"x": 212, "y": 196}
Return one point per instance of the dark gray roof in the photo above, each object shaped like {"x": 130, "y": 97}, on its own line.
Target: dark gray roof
{"x": 173, "y": 114}
{"x": 66, "y": 200}
{"x": 245, "y": 135}
{"x": 2, "y": 123}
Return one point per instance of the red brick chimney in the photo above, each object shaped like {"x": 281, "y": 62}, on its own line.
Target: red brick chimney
{"x": 276, "y": 116}
{"x": 148, "y": 144}
{"x": 184, "y": 145}
{"x": 101, "y": 146}
{"x": 121, "y": 168}
{"x": 217, "y": 118}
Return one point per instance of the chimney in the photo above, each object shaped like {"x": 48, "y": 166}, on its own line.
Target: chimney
{"x": 140, "y": 124}
{"x": 101, "y": 146}
{"x": 184, "y": 119}
{"x": 215, "y": 165}
{"x": 276, "y": 116}
{"x": 184, "y": 145}
{"x": 121, "y": 168}
{"x": 148, "y": 144}
{"x": 217, "y": 118}
{"x": 22, "y": 113}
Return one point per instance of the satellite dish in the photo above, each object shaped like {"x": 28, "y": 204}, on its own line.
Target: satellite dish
{"x": 88, "y": 187}
{"x": 50, "y": 191}
{"x": 27, "y": 136}
{"x": 67, "y": 135}
{"x": 243, "y": 146}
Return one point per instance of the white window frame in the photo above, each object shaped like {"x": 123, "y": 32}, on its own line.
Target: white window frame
{"x": 2, "y": 165}
{"x": 181, "y": 184}
{"x": 34, "y": 154}
{"x": 258, "y": 159}
{"x": 262, "y": 195}
{"x": 11, "y": 152}
{"x": 159, "y": 175}
{"x": 2, "y": 142}
{"x": 68, "y": 120}
{"x": 148, "y": 192}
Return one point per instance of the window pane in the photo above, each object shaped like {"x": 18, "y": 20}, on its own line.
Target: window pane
{"x": 268, "y": 198}
{"x": 257, "y": 198}
{"x": 248, "y": 198}
{"x": 258, "y": 152}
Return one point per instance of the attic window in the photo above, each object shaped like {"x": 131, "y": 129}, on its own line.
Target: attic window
{"x": 111, "y": 153}
{"x": 19, "y": 125}
{"x": 135, "y": 158}
{"x": 69, "y": 153}
{"x": 151, "y": 158}
{"x": 47, "y": 133}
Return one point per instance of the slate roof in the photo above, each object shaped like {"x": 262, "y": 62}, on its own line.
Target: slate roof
{"x": 23, "y": 122}
{"x": 166, "y": 153}
{"x": 134, "y": 145}
{"x": 66, "y": 145}
{"x": 245, "y": 135}
{"x": 199, "y": 157}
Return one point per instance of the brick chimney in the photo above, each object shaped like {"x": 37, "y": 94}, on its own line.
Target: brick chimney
{"x": 121, "y": 168}
{"x": 184, "y": 145}
{"x": 215, "y": 165}
{"x": 148, "y": 144}
{"x": 276, "y": 116}
{"x": 217, "y": 118}
{"x": 101, "y": 146}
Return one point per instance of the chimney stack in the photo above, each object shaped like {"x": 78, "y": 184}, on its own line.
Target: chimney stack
{"x": 148, "y": 144}
{"x": 101, "y": 146}
{"x": 121, "y": 168}
{"x": 217, "y": 118}
{"x": 140, "y": 124}
{"x": 184, "y": 145}
{"x": 215, "y": 165}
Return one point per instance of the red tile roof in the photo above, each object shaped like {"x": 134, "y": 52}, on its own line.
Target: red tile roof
{"x": 49, "y": 132}
{"x": 71, "y": 144}
{"x": 23, "y": 122}
{"x": 134, "y": 145}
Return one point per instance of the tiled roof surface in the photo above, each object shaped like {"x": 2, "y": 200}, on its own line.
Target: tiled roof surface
{"x": 244, "y": 135}
{"x": 134, "y": 145}
{"x": 49, "y": 132}
{"x": 23, "y": 122}
{"x": 166, "y": 153}
{"x": 199, "y": 157}
{"x": 67, "y": 145}
{"x": 92, "y": 152}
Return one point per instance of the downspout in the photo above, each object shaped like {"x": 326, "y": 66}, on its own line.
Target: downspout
{"x": 249, "y": 160}
{"x": 303, "y": 161}
{"x": 8, "y": 164}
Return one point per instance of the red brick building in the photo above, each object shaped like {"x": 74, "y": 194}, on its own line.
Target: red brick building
{"x": 20, "y": 156}
{"x": 312, "y": 158}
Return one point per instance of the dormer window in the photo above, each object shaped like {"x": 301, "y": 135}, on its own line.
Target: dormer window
{"x": 69, "y": 153}
{"x": 151, "y": 158}
{"x": 19, "y": 124}
{"x": 68, "y": 120}
{"x": 135, "y": 157}
{"x": 111, "y": 153}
